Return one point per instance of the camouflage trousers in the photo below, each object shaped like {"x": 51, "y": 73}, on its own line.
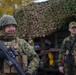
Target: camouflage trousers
{"x": 66, "y": 70}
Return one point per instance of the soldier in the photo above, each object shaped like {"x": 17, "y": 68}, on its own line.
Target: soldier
{"x": 27, "y": 57}
{"x": 30, "y": 41}
{"x": 68, "y": 50}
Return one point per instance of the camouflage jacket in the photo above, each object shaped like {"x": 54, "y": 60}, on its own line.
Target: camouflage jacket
{"x": 63, "y": 48}
{"x": 31, "y": 55}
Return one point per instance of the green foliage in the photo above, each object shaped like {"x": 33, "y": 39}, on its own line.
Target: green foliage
{"x": 9, "y": 6}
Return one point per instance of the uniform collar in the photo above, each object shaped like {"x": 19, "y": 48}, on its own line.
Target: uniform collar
{"x": 72, "y": 36}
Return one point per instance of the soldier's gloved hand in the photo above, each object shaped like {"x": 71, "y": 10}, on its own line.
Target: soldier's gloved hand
{"x": 27, "y": 73}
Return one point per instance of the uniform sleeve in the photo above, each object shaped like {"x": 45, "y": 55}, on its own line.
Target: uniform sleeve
{"x": 61, "y": 56}
{"x": 33, "y": 58}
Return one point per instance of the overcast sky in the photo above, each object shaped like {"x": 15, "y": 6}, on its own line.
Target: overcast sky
{"x": 41, "y": 0}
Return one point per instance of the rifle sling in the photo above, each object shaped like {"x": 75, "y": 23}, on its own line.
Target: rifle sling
{"x": 73, "y": 44}
{"x": 69, "y": 46}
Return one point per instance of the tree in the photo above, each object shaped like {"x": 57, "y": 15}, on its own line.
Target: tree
{"x": 9, "y": 6}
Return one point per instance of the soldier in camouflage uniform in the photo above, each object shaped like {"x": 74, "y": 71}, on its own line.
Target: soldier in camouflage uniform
{"x": 30, "y": 41}
{"x": 62, "y": 65}
{"x": 27, "y": 57}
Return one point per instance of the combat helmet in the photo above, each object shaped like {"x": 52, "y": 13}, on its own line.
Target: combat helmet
{"x": 6, "y": 20}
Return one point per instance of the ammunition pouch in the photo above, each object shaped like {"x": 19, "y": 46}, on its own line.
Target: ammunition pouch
{"x": 24, "y": 62}
{"x": 21, "y": 59}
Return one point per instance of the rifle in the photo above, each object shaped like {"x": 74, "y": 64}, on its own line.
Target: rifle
{"x": 69, "y": 58}
{"x": 10, "y": 58}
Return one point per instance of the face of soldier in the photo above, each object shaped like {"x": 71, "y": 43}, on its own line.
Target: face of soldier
{"x": 10, "y": 30}
{"x": 72, "y": 30}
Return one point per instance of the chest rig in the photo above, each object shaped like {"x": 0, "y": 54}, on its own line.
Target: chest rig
{"x": 20, "y": 58}
{"x": 71, "y": 50}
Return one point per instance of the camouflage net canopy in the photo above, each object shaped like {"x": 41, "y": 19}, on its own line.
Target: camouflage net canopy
{"x": 42, "y": 19}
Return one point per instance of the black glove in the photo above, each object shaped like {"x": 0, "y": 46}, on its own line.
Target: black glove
{"x": 28, "y": 73}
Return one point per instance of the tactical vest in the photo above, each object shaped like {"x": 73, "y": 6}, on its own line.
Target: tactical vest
{"x": 73, "y": 52}
{"x": 21, "y": 58}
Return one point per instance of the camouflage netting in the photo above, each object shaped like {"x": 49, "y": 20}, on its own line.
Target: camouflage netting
{"x": 41, "y": 19}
